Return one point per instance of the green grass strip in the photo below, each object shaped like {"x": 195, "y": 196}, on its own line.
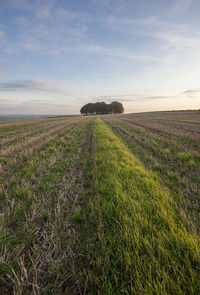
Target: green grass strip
{"x": 140, "y": 245}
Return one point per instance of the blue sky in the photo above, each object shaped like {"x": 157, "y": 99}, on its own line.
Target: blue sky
{"x": 57, "y": 55}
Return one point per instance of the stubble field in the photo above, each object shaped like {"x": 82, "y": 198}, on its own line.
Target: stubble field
{"x": 101, "y": 205}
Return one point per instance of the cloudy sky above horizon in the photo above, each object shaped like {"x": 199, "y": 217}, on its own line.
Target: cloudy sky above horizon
{"x": 56, "y": 55}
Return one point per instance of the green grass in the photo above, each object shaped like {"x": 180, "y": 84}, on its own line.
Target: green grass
{"x": 138, "y": 243}
{"x": 80, "y": 214}
{"x": 169, "y": 157}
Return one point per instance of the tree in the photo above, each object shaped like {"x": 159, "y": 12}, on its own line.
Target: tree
{"x": 114, "y": 107}
{"x": 83, "y": 110}
{"x": 117, "y": 107}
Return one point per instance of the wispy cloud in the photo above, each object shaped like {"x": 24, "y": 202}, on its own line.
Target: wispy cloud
{"x": 134, "y": 97}
{"x": 2, "y": 34}
{"x": 6, "y": 46}
{"x": 52, "y": 25}
{"x": 99, "y": 47}
{"x": 21, "y": 4}
{"x": 101, "y": 2}
{"x": 55, "y": 30}
{"x": 117, "y": 52}
{"x": 47, "y": 86}
{"x": 51, "y": 22}
{"x": 35, "y": 107}
{"x": 2, "y": 73}
{"x": 181, "y": 5}
{"x": 7, "y": 102}
{"x": 192, "y": 93}
{"x": 131, "y": 97}
{"x": 43, "y": 103}
{"x": 48, "y": 28}
{"x": 171, "y": 34}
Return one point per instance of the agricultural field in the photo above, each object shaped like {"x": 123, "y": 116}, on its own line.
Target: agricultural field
{"x": 100, "y": 205}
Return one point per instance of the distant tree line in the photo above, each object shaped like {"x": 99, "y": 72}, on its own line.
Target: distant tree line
{"x": 102, "y": 108}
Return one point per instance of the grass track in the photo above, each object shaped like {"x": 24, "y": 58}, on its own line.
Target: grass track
{"x": 139, "y": 244}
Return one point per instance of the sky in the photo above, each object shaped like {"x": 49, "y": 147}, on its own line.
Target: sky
{"x": 57, "y": 55}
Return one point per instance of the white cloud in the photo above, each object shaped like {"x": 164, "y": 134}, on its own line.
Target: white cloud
{"x": 181, "y": 5}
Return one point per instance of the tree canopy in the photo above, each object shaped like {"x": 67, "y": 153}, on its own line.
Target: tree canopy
{"x": 102, "y": 108}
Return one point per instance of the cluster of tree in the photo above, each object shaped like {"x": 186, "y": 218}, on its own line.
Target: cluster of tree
{"x": 102, "y": 108}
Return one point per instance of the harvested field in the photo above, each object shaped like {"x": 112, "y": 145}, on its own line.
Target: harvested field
{"x": 104, "y": 205}
{"x": 171, "y": 150}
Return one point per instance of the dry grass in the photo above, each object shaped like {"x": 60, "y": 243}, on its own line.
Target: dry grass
{"x": 37, "y": 208}
{"x": 166, "y": 122}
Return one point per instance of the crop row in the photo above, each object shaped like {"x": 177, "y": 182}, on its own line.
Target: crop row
{"x": 93, "y": 207}
{"x": 185, "y": 131}
{"x": 136, "y": 243}
{"x": 38, "y": 204}
{"x": 177, "y": 167}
